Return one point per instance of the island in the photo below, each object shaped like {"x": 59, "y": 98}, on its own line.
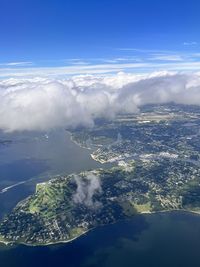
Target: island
{"x": 156, "y": 168}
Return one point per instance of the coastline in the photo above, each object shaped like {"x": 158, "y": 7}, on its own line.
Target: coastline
{"x": 147, "y": 212}
{"x": 76, "y": 143}
{"x": 9, "y": 243}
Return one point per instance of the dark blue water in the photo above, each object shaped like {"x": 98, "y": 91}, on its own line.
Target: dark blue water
{"x": 34, "y": 157}
{"x": 159, "y": 240}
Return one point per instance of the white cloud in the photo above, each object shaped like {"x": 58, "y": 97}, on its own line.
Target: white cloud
{"x": 167, "y": 57}
{"x": 175, "y": 63}
{"x": 190, "y": 43}
{"x": 70, "y": 70}
{"x": 87, "y": 187}
{"x": 44, "y": 103}
{"x": 145, "y": 51}
{"x": 21, "y": 63}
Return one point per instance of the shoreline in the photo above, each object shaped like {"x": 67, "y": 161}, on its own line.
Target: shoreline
{"x": 102, "y": 162}
{"x": 76, "y": 143}
{"x": 7, "y": 243}
{"x": 10, "y": 243}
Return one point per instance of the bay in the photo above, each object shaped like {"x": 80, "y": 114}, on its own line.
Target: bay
{"x": 163, "y": 239}
{"x": 156, "y": 240}
{"x": 33, "y": 157}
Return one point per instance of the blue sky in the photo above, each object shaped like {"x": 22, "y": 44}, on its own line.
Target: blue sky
{"x": 79, "y": 36}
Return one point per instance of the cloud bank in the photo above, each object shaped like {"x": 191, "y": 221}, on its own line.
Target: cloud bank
{"x": 43, "y": 104}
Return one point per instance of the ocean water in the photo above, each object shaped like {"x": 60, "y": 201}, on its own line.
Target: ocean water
{"x": 156, "y": 240}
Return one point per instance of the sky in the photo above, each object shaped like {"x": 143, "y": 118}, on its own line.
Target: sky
{"x": 64, "y": 63}
{"x": 71, "y": 37}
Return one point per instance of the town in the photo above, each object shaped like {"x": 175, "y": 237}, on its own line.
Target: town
{"x": 156, "y": 168}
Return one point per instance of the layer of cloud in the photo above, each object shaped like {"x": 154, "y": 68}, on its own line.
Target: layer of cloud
{"x": 42, "y": 104}
{"x": 151, "y": 62}
{"x": 87, "y": 187}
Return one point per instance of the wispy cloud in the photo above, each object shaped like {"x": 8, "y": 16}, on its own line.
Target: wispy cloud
{"x": 147, "y": 66}
{"x": 139, "y": 50}
{"x": 190, "y": 43}
{"x": 20, "y": 63}
{"x": 168, "y": 57}
{"x": 136, "y": 60}
{"x": 70, "y": 70}
{"x": 81, "y": 63}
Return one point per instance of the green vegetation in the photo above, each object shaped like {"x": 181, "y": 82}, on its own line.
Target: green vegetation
{"x": 157, "y": 169}
{"x": 66, "y": 207}
{"x": 143, "y": 208}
